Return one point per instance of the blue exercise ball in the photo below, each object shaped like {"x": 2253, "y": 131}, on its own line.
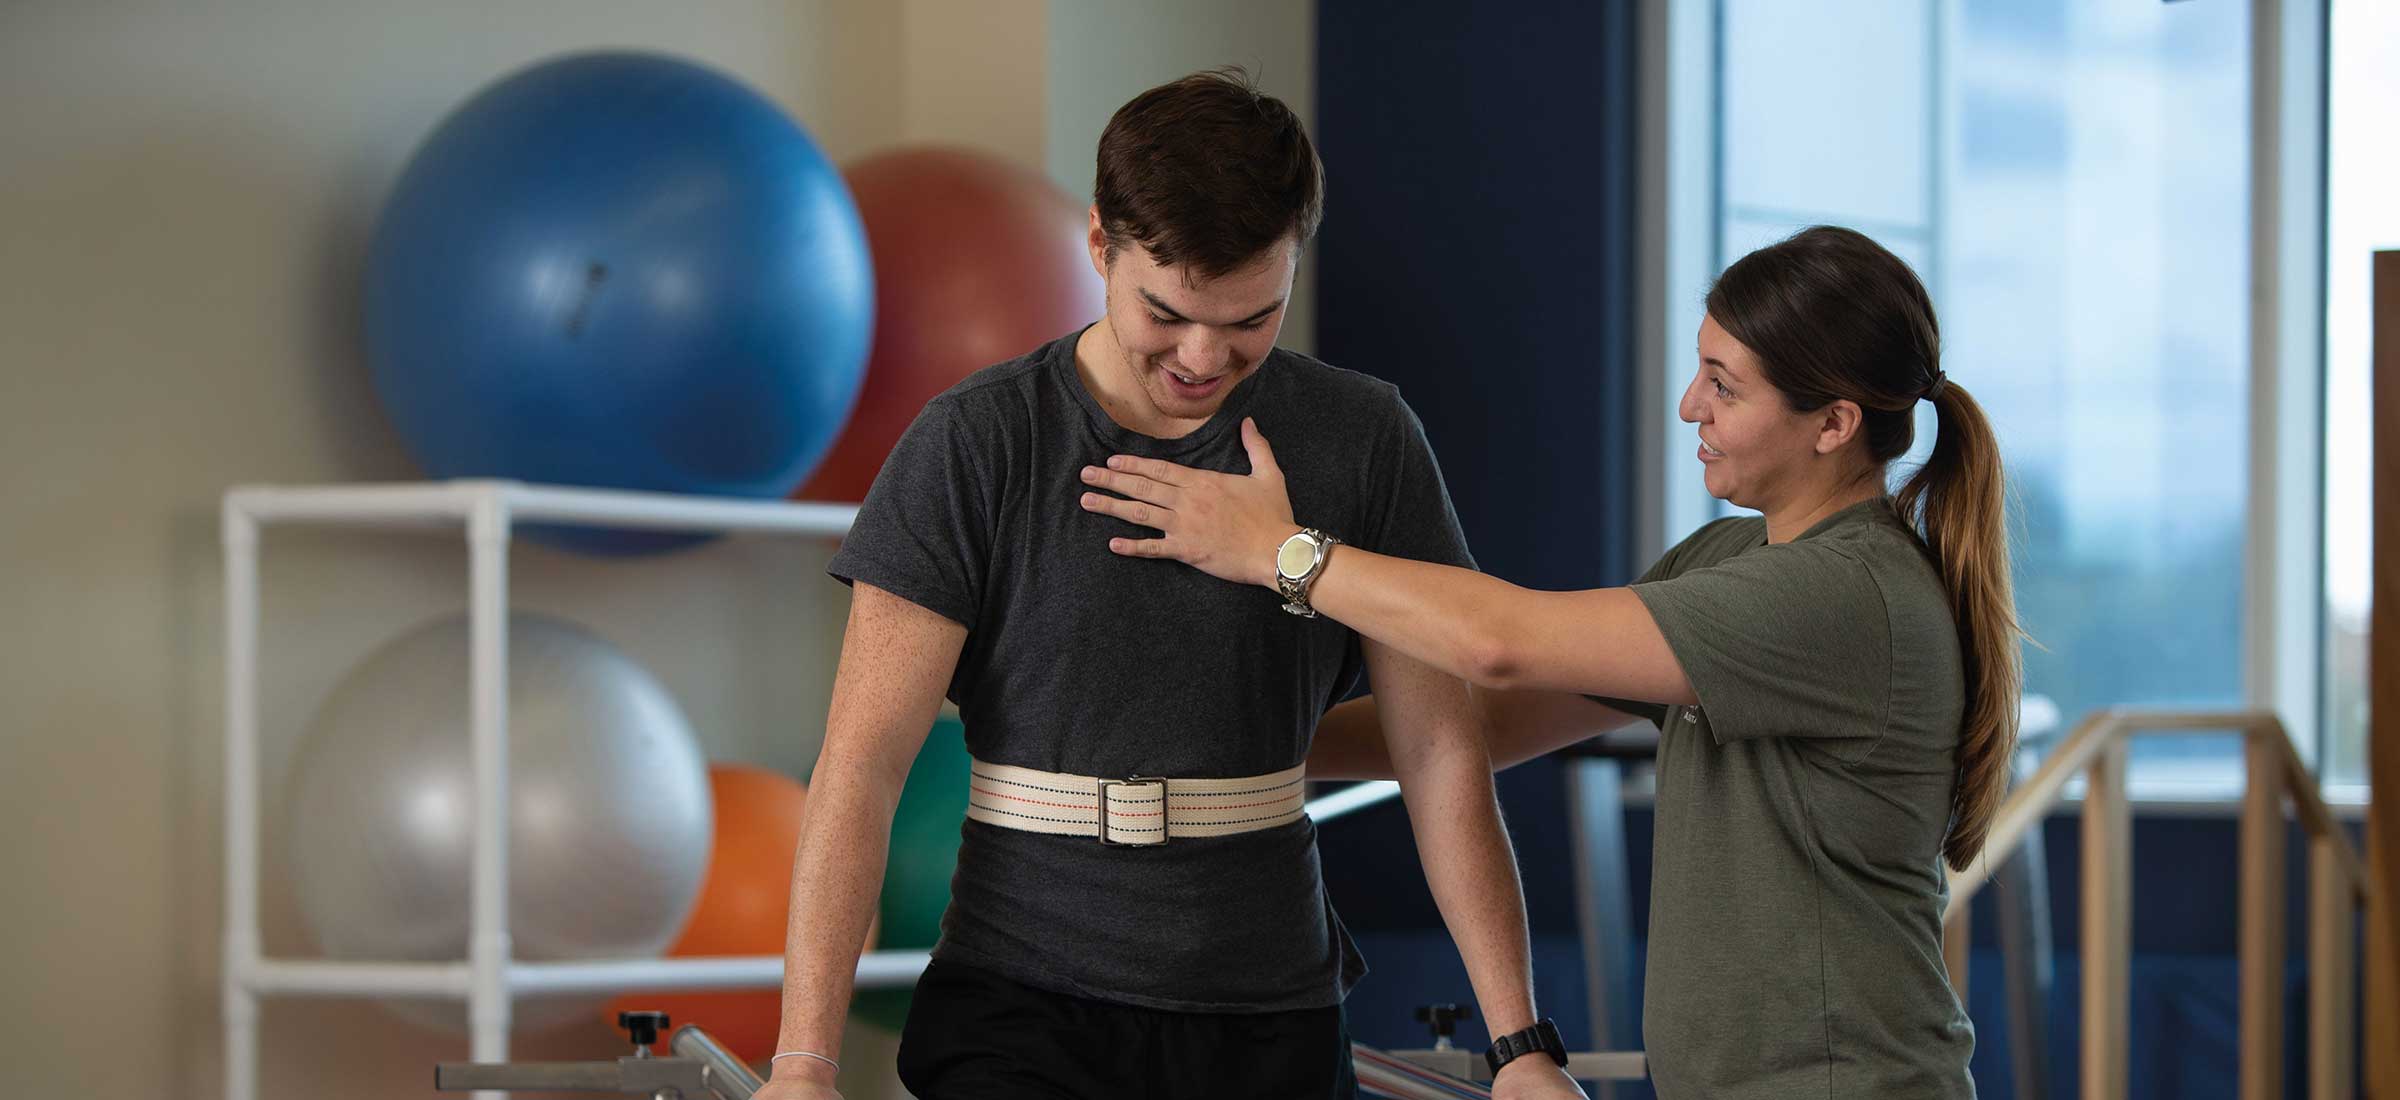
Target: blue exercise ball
{"x": 620, "y": 270}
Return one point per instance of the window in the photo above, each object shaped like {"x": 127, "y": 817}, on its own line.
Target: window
{"x": 2072, "y": 179}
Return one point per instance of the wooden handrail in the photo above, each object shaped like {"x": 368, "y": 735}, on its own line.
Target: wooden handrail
{"x": 2338, "y": 885}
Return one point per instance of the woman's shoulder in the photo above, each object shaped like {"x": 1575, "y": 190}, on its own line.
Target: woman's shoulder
{"x": 1883, "y": 544}
{"x": 1715, "y": 541}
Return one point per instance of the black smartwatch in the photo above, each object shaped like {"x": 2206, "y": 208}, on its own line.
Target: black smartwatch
{"x": 1542, "y": 1037}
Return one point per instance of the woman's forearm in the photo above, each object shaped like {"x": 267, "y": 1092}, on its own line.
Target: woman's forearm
{"x": 1450, "y": 618}
{"x": 1518, "y": 725}
{"x": 1349, "y": 743}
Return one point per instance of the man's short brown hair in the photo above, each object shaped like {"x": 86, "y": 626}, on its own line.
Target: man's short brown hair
{"x": 1209, "y": 172}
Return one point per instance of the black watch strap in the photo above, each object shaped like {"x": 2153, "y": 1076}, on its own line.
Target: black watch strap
{"x": 1542, "y": 1037}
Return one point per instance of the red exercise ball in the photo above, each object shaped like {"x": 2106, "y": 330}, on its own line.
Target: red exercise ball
{"x": 743, "y": 907}
{"x": 977, "y": 261}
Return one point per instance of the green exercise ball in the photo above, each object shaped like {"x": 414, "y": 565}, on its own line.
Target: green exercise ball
{"x": 916, "y": 879}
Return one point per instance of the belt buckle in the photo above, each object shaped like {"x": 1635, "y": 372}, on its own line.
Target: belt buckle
{"x": 1132, "y": 781}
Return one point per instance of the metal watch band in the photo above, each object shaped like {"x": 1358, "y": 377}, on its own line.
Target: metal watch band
{"x": 1295, "y": 589}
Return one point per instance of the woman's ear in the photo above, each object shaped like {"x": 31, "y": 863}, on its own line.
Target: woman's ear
{"x": 1837, "y": 424}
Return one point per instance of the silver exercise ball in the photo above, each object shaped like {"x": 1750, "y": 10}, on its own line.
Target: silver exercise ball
{"x": 610, "y": 813}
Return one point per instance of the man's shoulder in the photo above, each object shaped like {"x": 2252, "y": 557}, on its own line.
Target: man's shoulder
{"x": 1000, "y": 385}
{"x": 1331, "y": 402}
{"x": 1313, "y": 379}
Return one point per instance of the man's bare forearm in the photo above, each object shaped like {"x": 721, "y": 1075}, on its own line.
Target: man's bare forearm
{"x": 1473, "y": 874}
{"x": 895, "y": 657}
{"x": 837, "y": 875}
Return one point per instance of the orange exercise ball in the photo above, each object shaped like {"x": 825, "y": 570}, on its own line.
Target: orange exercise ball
{"x": 743, "y": 907}
{"x": 977, "y": 261}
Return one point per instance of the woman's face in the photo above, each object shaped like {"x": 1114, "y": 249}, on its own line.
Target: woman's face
{"x": 1754, "y": 448}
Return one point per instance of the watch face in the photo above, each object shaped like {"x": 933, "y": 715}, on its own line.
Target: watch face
{"x": 1297, "y": 555}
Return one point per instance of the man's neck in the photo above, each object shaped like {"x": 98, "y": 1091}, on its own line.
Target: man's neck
{"x": 1100, "y": 365}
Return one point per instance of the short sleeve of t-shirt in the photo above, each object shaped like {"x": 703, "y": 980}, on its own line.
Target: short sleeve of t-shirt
{"x": 1659, "y": 570}
{"x": 1417, "y": 521}
{"x": 924, "y": 533}
{"x": 1774, "y": 646}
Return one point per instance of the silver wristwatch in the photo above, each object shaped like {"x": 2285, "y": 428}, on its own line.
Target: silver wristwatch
{"x": 1297, "y": 564}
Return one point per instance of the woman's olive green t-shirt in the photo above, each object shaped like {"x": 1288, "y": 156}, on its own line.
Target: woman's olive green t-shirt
{"x": 1797, "y": 883}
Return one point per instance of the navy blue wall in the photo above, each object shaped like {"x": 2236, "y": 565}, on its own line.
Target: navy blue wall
{"x": 1477, "y": 251}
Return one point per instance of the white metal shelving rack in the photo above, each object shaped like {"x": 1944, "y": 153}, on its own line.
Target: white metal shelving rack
{"x": 489, "y": 979}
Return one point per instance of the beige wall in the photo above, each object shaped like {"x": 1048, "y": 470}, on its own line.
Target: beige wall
{"x": 1104, "y": 52}
{"x": 186, "y": 191}
{"x": 972, "y": 74}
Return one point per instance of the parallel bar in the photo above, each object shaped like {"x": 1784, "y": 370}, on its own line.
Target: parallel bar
{"x": 1351, "y": 799}
{"x": 2308, "y": 805}
{"x": 728, "y": 1076}
{"x": 1467, "y": 1065}
{"x": 2332, "y": 974}
{"x": 2107, "y": 922}
{"x": 2262, "y": 899}
{"x": 2031, "y": 801}
{"x": 2098, "y": 748}
{"x": 2027, "y": 954}
{"x": 1958, "y": 939}
{"x": 1596, "y": 827}
{"x": 593, "y": 1077}
{"x": 876, "y": 970}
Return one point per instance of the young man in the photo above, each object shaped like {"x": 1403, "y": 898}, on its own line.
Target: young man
{"x": 1137, "y": 909}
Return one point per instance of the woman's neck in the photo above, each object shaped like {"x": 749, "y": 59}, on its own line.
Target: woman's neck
{"x": 1809, "y": 507}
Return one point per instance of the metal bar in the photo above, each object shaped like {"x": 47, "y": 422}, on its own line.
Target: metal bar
{"x": 2027, "y": 954}
{"x": 327, "y": 978}
{"x": 876, "y": 970}
{"x": 1350, "y": 799}
{"x": 446, "y": 502}
{"x": 489, "y": 1010}
{"x": 638, "y": 1075}
{"x": 1596, "y": 813}
{"x": 727, "y": 1076}
{"x": 240, "y": 535}
{"x": 551, "y": 504}
{"x": 1582, "y": 1065}
{"x": 535, "y": 1076}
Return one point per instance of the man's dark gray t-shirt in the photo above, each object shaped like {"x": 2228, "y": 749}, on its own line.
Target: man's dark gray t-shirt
{"x": 1081, "y": 661}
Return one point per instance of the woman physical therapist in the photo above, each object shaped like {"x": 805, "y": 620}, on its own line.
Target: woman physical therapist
{"x": 1835, "y": 679}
